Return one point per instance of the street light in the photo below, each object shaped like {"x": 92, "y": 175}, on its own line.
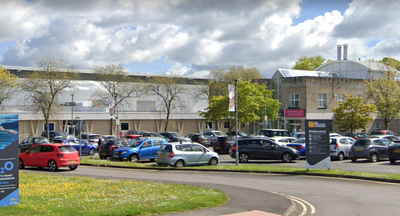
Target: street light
{"x": 72, "y": 116}
{"x": 265, "y": 113}
{"x": 236, "y": 124}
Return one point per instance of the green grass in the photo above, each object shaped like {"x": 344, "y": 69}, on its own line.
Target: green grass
{"x": 42, "y": 194}
{"x": 255, "y": 168}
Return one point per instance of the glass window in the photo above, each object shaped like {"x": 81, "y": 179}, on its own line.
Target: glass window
{"x": 35, "y": 149}
{"x": 47, "y": 148}
{"x": 209, "y": 125}
{"x": 146, "y": 144}
{"x": 294, "y": 100}
{"x": 340, "y": 98}
{"x": 197, "y": 148}
{"x": 157, "y": 142}
{"x": 227, "y": 125}
{"x": 322, "y": 100}
{"x": 124, "y": 126}
{"x": 186, "y": 147}
{"x": 66, "y": 149}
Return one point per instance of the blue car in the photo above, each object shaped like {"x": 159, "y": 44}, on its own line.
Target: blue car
{"x": 141, "y": 148}
{"x": 77, "y": 144}
{"x": 299, "y": 145}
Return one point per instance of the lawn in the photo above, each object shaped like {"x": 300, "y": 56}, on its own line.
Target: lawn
{"x": 44, "y": 194}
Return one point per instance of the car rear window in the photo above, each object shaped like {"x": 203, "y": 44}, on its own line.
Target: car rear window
{"x": 66, "y": 149}
{"x": 167, "y": 148}
{"x": 94, "y": 137}
{"x": 365, "y": 142}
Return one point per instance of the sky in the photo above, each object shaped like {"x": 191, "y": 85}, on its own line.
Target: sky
{"x": 192, "y": 37}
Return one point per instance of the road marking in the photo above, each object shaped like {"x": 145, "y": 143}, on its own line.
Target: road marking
{"x": 302, "y": 202}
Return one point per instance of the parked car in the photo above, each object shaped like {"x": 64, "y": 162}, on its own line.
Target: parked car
{"x": 299, "y": 145}
{"x": 107, "y": 149}
{"x": 300, "y": 135}
{"x": 272, "y": 133}
{"x": 199, "y": 138}
{"x": 394, "y": 152}
{"x": 239, "y": 133}
{"x": 263, "y": 149}
{"x": 357, "y": 135}
{"x": 30, "y": 142}
{"x": 340, "y": 147}
{"x": 109, "y": 137}
{"x": 334, "y": 135}
{"x": 219, "y": 141}
{"x": 79, "y": 145}
{"x": 90, "y": 138}
{"x": 132, "y": 136}
{"x": 185, "y": 154}
{"x": 373, "y": 149}
{"x": 141, "y": 148}
{"x": 175, "y": 137}
{"x": 283, "y": 141}
{"x": 129, "y": 132}
{"x": 52, "y": 156}
{"x": 56, "y": 135}
{"x": 382, "y": 132}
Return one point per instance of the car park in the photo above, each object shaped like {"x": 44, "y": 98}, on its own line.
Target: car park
{"x": 107, "y": 149}
{"x": 272, "y": 133}
{"x": 52, "y": 156}
{"x": 373, "y": 149}
{"x": 30, "y": 142}
{"x": 283, "y": 141}
{"x": 79, "y": 145}
{"x": 185, "y": 154}
{"x": 175, "y": 137}
{"x": 340, "y": 147}
{"x": 299, "y": 145}
{"x": 142, "y": 148}
{"x": 199, "y": 138}
{"x": 263, "y": 149}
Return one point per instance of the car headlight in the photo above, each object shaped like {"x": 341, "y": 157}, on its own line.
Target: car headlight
{"x": 124, "y": 152}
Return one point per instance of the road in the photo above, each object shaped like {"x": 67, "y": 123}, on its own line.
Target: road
{"x": 319, "y": 195}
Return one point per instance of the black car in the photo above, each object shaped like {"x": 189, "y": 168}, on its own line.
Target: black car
{"x": 394, "y": 151}
{"x": 263, "y": 149}
{"x": 273, "y": 133}
{"x": 373, "y": 149}
{"x": 199, "y": 138}
{"x": 31, "y": 141}
{"x": 175, "y": 137}
{"x": 106, "y": 150}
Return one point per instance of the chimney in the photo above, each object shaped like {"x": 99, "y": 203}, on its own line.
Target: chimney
{"x": 345, "y": 54}
{"x": 339, "y": 52}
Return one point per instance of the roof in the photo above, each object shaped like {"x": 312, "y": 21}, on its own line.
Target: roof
{"x": 305, "y": 73}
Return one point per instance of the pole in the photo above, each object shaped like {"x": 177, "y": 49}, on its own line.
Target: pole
{"x": 284, "y": 117}
{"x": 80, "y": 140}
{"x": 265, "y": 112}
{"x": 116, "y": 118}
{"x": 72, "y": 115}
{"x": 236, "y": 113}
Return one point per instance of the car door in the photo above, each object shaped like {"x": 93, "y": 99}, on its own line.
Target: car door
{"x": 347, "y": 147}
{"x": 145, "y": 150}
{"x": 200, "y": 154}
{"x": 380, "y": 148}
{"x": 188, "y": 154}
{"x": 30, "y": 157}
{"x": 272, "y": 151}
{"x": 384, "y": 153}
{"x": 45, "y": 154}
{"x": 154, "y": 148}
{"x": 256, "y": 150}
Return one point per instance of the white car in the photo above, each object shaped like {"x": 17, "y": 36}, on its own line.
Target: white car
{"x": 282, "y": 141}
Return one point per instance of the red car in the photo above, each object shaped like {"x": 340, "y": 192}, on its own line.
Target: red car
{"x": 51, "y": 156}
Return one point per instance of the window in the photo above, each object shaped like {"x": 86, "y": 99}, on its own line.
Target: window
{"x": 340, "y": 98}
{"x": 197, "y": 148}
{"x": 294, "y": 100}
{"x": 51, "y": 126}
{"x": 208, "y": 125}
{"x": 124, "y": 126}
{"x": 227, "y": 125}
{"x": 322, "y": 100}
{"x": 157, "y": 142}
{"x": 186, "y": 147}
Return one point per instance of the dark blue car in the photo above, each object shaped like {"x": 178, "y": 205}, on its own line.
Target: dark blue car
{"x": 87, "y": 148}
{"x": 141, "y": 148}
{"x": 299, "y": 145}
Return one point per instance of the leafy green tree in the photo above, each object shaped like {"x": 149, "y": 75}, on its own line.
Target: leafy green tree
{"x": 45, "y": 85}
{"x": 353, "y": 114}
{"x": 252, "y": 99}
{"x": 391, "y": 62}
{"x": 385, "y": 93}
{"x": 308, "y": 63}
{"x": 8, "y": 82}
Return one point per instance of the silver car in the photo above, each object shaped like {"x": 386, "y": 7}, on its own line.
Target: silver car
{"x": 185, "y": 154}
{"x": 340, "y": 147}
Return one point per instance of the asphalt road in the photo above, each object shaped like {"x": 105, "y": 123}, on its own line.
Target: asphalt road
{"x": 270, "y": 193}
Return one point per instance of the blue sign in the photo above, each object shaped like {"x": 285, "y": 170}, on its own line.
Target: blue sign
{"x": 9, "y": 165}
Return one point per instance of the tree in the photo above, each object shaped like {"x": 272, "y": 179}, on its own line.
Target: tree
{"x": 391, "y": 62}
{"x": 385, "y": 93}
{"x": 353, "y": 114}
{"x": 308, "y": 63}
{"x": 8, "y": 82}
{"x": 45, "y": 85}
{"x": 252, "y": 99}
{"x": 170, "y": 90}
{"x": 116, "y": 83}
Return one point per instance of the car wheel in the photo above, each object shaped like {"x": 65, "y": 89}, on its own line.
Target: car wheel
{"x": 179, "y": 163}
{"x": 101, "y": 157}
{"x": 213, "y": 162}
{"x": 287, "y": 158}
{"x": 392, "y": 161}
{"x": 52, "y": 165}
{"x": 133, "y": 158}
{"x": 73, "y": 167}
{"x": 374, "y": 158}
{"x": 243, "y": 158}
{"x": 91, "y": 152}
{"x": 353, "y": 159}
{"x": 21, "y": 164}
{"x": 340, "y": 156}
{"x": 152, "y": 160}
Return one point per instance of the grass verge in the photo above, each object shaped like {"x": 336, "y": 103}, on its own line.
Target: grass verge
{"x": 42, "y": 194}
{"x": 256, "y": 168}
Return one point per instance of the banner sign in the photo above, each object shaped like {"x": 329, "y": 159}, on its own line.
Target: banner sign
{"x": 318, "y": 151}
{"x": 231, "y": 89}
{"x": 295, "y": 113}
{"x": 9, "y": 163}
{"x": 111, "y": 106}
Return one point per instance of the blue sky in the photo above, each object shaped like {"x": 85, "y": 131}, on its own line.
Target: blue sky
{"x": 191, "y": 38}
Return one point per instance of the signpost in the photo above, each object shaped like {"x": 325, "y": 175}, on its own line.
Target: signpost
{"x": 9, "y": 172}
{"x": 318, "y": 154}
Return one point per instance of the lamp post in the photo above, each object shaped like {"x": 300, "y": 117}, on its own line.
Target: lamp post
{"x": 117, "y": 124}
{"x": 236, "y": 124}
{"x": 265, "y": 113}
{"x": 72, "y": 116}
{"x": 284, "y": 116}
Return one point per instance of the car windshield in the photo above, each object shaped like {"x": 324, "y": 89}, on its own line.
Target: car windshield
{"x": 377, "y": 133}
{"x": 135, "y": 143}
{"x": 219, "y": 133}
{"x": 176, "y": 135}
